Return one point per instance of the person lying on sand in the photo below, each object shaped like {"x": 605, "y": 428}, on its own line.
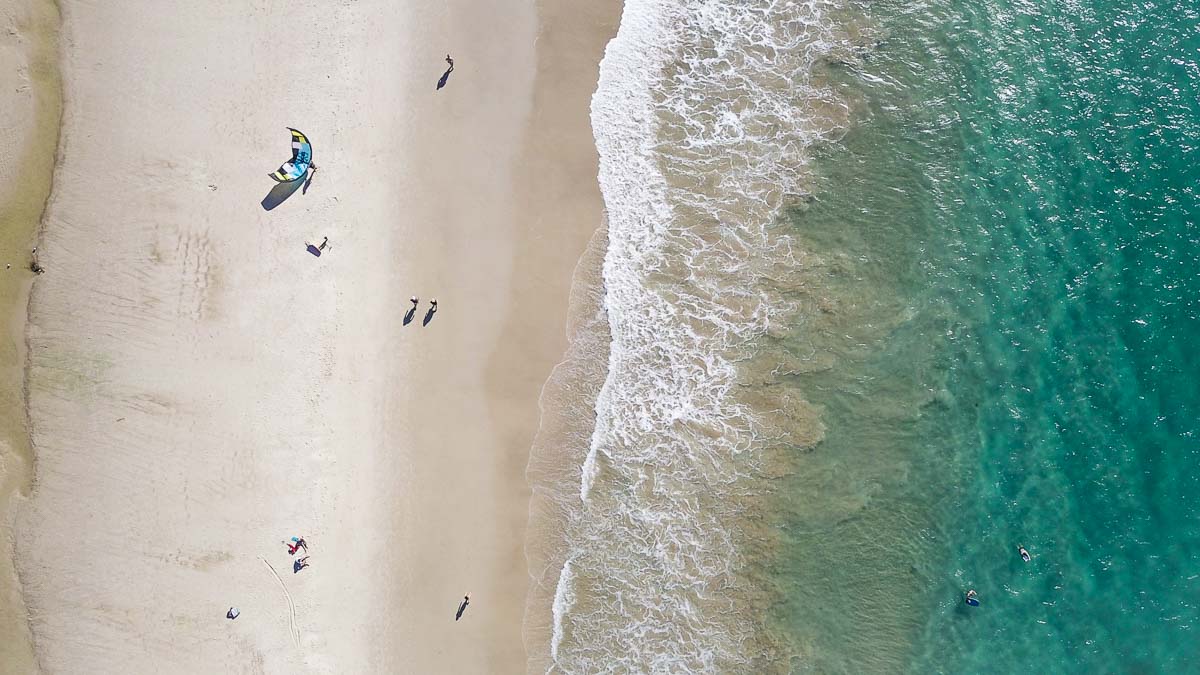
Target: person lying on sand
{"x": 316, "y": 250}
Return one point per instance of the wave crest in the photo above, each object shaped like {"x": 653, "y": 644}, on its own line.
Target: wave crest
{"x": 703, "y": 119}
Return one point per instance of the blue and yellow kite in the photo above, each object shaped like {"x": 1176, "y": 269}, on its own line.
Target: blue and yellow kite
{"x": 301, "y": 159}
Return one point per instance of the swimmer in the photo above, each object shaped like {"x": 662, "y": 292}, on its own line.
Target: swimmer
{"x": 1024, "y": 554}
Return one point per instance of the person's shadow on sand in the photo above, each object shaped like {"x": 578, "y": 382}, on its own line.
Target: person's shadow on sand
{"x": 409, "y": 316}
{"x": 428, "y": 316}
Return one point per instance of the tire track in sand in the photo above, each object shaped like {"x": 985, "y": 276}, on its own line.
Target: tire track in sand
{"x": 291, "y": 605}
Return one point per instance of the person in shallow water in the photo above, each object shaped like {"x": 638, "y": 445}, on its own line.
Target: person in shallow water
{"x": 1024, "y": 554}
{"x": 972, "y": 598}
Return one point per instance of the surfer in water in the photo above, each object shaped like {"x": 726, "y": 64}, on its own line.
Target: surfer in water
{"x": 1024, "y": 554}
{"x": 462, "y": 607}
{"x": 972, "y": 598}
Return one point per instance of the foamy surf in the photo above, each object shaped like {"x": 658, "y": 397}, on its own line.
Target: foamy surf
{"x": 703, "y": 118}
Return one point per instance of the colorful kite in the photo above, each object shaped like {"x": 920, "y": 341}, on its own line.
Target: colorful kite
{"x": 301, "y": 159}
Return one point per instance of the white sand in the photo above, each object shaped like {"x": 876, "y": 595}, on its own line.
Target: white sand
{"x": 201, "y": 387}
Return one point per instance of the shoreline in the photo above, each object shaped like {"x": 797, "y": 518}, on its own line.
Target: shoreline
{"x": 562, "y": 210}
{"x": 31, "y": 122}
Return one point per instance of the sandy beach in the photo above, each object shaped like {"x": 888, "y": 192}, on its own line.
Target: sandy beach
{"x": 29, "y": 121}
{"x": 201, "y": 388}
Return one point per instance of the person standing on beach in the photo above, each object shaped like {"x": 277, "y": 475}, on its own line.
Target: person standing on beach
{"x": 462, "y": 607}
{"x": 433, "y": 305}
{"x": 446, "y": 75}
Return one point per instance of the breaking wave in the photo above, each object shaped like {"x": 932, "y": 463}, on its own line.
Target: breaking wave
{"x": 658, "y": 428}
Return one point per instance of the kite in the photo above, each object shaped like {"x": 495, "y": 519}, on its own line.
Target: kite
{"x": 301, "y": 159}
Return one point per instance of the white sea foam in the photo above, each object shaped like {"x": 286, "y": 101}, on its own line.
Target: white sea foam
{"x": 703, "y": 117}
{"x": 563, "y": 599}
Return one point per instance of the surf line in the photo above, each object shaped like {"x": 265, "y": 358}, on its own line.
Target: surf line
{"x": 291, "y": 605}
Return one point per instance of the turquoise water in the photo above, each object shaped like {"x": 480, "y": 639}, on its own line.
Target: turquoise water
{"x": 888, "y": 289}
{"x": 1013, "y": 358}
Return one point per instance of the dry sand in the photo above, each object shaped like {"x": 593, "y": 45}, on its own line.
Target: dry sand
{"x": 200, "y": 387}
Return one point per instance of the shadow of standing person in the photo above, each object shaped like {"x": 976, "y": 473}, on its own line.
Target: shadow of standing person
{"x": 446, "y": 75}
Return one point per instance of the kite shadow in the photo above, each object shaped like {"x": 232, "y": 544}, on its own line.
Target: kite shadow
{"x": 280, "y": 193}
{"x": 409, "y": 317}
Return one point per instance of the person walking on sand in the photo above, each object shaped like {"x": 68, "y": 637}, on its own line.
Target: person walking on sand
{"x": 462, "y": 607}
{"x": 433, "y": 305}
{"x": 415, "y": 301}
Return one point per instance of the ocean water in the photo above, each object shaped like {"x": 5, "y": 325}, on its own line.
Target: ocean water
{"x": 887, "y": 289}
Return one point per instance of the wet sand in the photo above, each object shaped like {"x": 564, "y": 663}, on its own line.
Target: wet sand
{"x": 200, "y": 387}
{"x": 29, "y": 120}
